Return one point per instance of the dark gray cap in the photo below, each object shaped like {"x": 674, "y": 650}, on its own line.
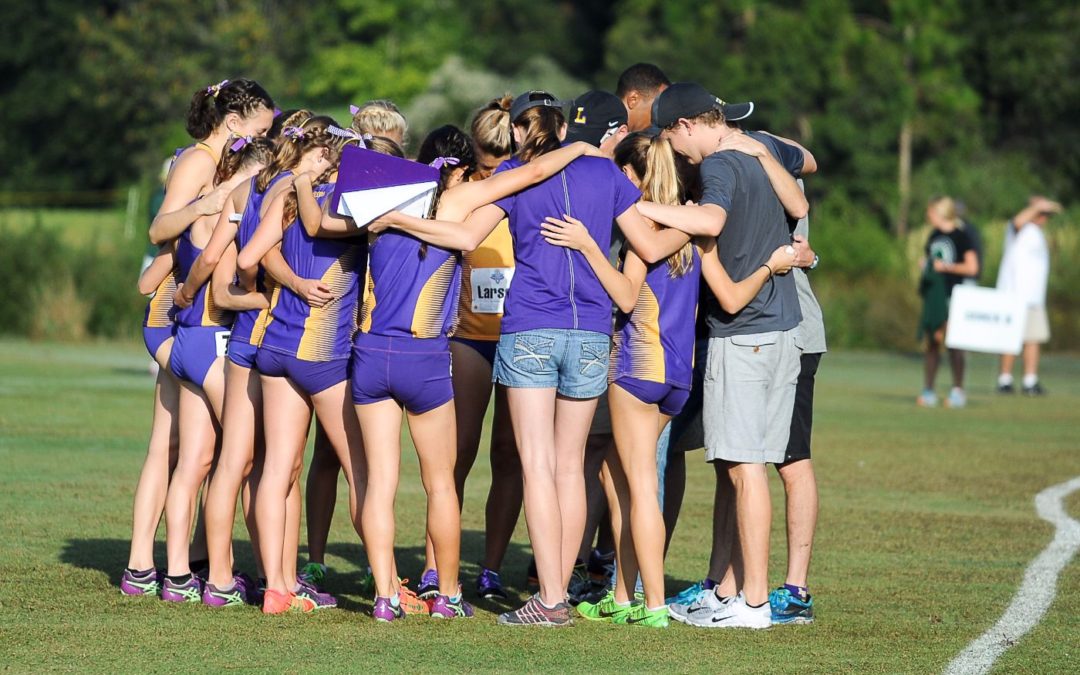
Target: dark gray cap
{"x": 687, "y": 99}
{"x": 533, "y": 99}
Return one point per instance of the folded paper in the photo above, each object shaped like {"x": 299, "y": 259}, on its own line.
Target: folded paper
{"x": 371, "y": 184}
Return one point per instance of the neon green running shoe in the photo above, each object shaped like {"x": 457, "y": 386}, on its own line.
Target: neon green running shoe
{"x": 605, "y": 609}
{"x": 640, "y": 615}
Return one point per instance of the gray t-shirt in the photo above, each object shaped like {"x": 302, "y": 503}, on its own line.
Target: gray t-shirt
{"x": 812, "y": 328}
{"x": 756, "y": 225}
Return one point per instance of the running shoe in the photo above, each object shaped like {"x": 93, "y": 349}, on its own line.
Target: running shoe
{"x": 688, "y": 595}
{"x": 256, "y": 595}
{"x": 640, "y": 615}
{"x": 790, "y": 608}
{"x": 232, "y": 596}
{"x": 1006, "y": 388}
{"x": 927, "y": 399}
{"x": 250, "y": 586}
{"x": 313, "y": 573}
{"x": 306, "y": 592}
{"x": 189, "y": 591}
{"x": 605, "y": 609}
{"x": 275, "y": 602}
{"x": 1034, "y": 390}
{"x": 429, "y": 585}
{"x": 734, "y": 614}
{"x": 445, "y": 607}
{"x": 533, "y": 613}
{"x": 581, "y": 586}
{"x": 957, "y": 398}
{"x": 489, "y": 585}
{"x": 147, "y": 582}
{"x": 706, "y": 604}
{"x": 411, "y": 603}
{"x": 385, "y": 611}
{"x": 601, "y": 567}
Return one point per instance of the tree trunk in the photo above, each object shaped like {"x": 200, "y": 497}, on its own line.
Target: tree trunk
{"x": 903, "y": 208}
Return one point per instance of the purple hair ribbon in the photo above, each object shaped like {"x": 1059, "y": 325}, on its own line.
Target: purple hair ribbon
{"x": 349, "y": 134}
{"x": 440, "y": 162}
{"x": 277, "y": 112}
{"x": 215, "y": 88}
{"x": 239, "y": 143}
{"x": 353, "y": 109}
{"x": 295, "y": 133}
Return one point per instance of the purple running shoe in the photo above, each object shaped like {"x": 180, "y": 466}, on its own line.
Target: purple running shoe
{"x": 233, "y": 596}
{"x": 306, "y": 591}
{"x": 385, "y": 611}
{"x": 489, "y": 585}
{"x": 189, "y": 591}
{"x": 445, "y": 607}
{"x": 429, "y": 585}
{"x": 147, "y": 582}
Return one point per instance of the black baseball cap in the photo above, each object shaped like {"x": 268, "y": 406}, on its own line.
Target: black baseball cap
{"x": 533, "y": 99}
{"x": 594, "y": 114}
{"x": 687, "y": 99}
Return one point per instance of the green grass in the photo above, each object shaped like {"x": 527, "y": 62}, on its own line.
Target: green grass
{"x": 927, "y": 523}
{"x": 78, "y": 227}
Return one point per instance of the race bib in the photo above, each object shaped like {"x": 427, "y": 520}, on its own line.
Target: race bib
{"x": 221, "y": 342}
{"x": 489, "y": 286}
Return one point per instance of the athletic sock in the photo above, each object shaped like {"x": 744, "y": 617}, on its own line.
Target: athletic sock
{"x": 655, "y": 609}
{"x": 543, "y": 604}
{"x": 199, "y": 564}
{"x": 180, "y": 579}
{"x": 708, "y": 583}
{"x": 623, "y": 604}
{"x": 395, "y": 600}
{"x": 140, "y": 573}
{"x": 801, "y": 592}
{"x": 757, "y": 606}
{"x": 1005, "y": 380}
{"x": 1031, "y": 380}
{"x": 455, "y": 598}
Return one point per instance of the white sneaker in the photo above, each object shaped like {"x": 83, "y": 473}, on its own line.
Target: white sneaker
{"x": 735, "y": 614}
{"x": 706, "y": 605}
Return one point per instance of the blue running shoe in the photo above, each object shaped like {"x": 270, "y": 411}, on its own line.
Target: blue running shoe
{"x": 690, "y": 594}
{"x": 788, "y": 608}
{"x": 429, "y": 585}
{"x": 489, "y": 585}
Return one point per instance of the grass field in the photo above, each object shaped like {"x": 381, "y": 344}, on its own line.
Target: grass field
{"x": 926, "y": 526}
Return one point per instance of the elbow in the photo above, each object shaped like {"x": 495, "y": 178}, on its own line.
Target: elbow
{"x": 626, "y": 307}
{"x": 222, "y": 296}
{"x": 650, "y": 256}
{"x": 145, "y": 288}
{"x": 809, "y": 163}
{"x": 155, "y": 234}
{"x": 801, "y": 210}
{"x": 714, "y": 225}
{"x": 245, "y": 262}
{"x": 470, "y": 243}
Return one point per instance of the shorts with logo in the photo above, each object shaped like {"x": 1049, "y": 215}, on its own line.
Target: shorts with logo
{"x": 749, "y": 394}
{"x": 415, "y": 372}
{"x": 195, "y": 349}
{"x": 573, "y": 362}
{"x": 311, "y": 376}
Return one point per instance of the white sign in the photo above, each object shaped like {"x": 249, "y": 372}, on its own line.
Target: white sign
{"x": 489, "y": 286}
{"x": 985, "y": 320}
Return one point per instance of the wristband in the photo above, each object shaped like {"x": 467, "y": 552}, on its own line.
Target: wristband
{"x": 766, "y": 266}
{"x": 814, "y": 264}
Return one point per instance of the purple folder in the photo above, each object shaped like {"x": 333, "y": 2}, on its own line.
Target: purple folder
{"x": 370, "y": 184}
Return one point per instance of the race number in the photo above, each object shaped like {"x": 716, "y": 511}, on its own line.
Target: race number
{"x": 489, "y": 286}
{"x": 221, "y": 342}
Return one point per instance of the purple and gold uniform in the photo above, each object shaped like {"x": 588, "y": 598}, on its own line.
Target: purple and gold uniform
{"x": 311, "y": 345}
{"x": 401, "y": 351}
{"x": 653, "y": 352}
{"x": 159, "y": 321}
{"x": 202, "y": 332}
{"x": 245, "y": 337}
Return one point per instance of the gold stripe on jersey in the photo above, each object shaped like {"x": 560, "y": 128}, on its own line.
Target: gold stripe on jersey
{"x": 427, "y": 319}
{"x": 162, "y": 302}
{"x": 212, "y": 314}
{"x": 368, "y": 306}
{"x": 258, "y": 331}
{"x": 645, "y": 352}
{"x": 321, "y": 324}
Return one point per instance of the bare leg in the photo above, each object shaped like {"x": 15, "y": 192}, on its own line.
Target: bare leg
{"x": 380, "y": 424}
{"x": 338, "y": 419}
{"x": 321, "y": 494}
{"x": 1031, "y": 358}
{"x": 286, "y": 435}
{"x": 505, "y": 495}
{"x": 956, "y": 362}
{"x": 597, "y": 448}
{"x": 434, "y": 435}
{"x": 160, "y": 459}
{"x": 572, "y": 420}
{"x": 800, "y": 487}
{"x": 1007, "y": 361}
{"x": 618, "y": 494}
{"x": 725, "y": 561}
{"x": 754, "y": 518}
{"x": 933, "y": 356}
{"x": 674, "y": 490}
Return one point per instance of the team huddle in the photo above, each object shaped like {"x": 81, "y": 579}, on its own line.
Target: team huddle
{"x": 637, "y": 250}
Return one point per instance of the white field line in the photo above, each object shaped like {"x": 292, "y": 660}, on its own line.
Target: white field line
{"x": 1037, "y": 591}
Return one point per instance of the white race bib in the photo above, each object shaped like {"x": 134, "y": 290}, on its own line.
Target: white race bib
{"x": 221, "y": 339}
{"x": 489, "y": 286}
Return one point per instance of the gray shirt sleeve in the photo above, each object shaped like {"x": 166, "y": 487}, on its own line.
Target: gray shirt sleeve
{"x": 717, "y": 181}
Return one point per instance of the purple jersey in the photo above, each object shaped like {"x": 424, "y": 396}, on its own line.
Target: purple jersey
{"x": 325, "y": 333}
{"x": 244, "y": 325}
{"x": 655, "y": 342}
{"x": 410, "y": 292}
{"x": 554, "y": 287}
{"x": 202, "y": 311}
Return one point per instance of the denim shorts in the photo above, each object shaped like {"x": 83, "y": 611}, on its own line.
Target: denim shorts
{"x": 573, "y": 362}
